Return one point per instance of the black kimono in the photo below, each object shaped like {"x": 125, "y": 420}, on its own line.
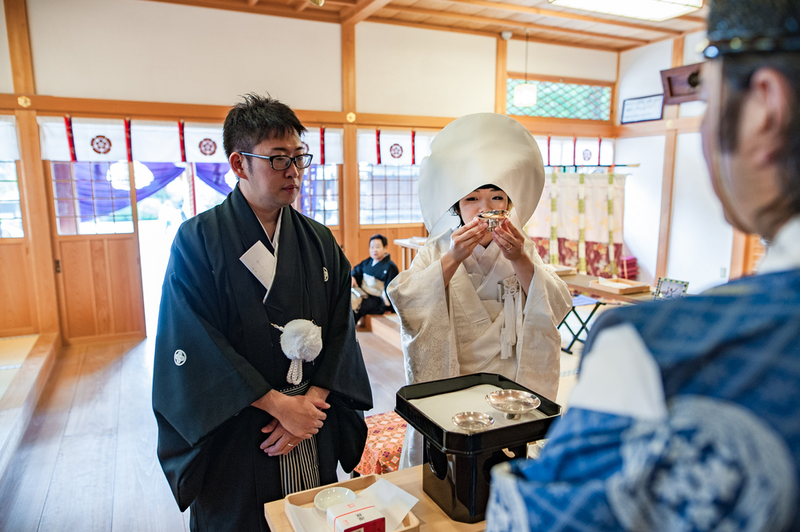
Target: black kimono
{"x": 385, "y": 270}
{"x": 217, "y": 352}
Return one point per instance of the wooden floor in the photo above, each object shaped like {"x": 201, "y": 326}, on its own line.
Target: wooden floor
{"x": 88, "y": 460}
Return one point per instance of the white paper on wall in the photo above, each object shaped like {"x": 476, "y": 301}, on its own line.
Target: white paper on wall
{"x": 9, "y": 145}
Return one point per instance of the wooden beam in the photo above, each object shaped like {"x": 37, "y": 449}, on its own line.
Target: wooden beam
{"x": 348, "y": 68}
{"x": 561, "y": 79}
{"x": 738, "y": 255}
{"x": 276, "y": 10}
{"x": 301, "y": 5}
{"x": 565, "y": 14}
{"x": 19, "y": 46}
{"x": 689, "y": 124}
{"x": 252, "y": 2}
{"x": 492, "y": 34}
{"x": 89, "y": 108}
{"x": 566, "y": 127}
{"x": 668, "y": 177}
{"x": 574, "y": 45}
{"x": 500, "y": 76}
{"x": 362, "y": 10}
{"x": 349, "y": 200}
{"x": 36, "y": 212}
{"x": 510, "y": 23}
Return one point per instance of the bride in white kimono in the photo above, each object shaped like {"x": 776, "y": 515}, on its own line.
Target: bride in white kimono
{"x": 474, "y": 300}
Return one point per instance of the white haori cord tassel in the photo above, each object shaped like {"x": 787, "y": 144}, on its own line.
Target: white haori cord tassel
{"x": 508, "y": 334}
{"x": 301, "y": 341}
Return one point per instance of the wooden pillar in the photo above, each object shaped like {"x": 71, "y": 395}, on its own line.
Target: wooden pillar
{"x": 668, "y": 177}
{"x": 349, "y": 200}
{"x": 501, "y": 76}
{"x": 35, "y": 210}
{"x": 19, "y": 46}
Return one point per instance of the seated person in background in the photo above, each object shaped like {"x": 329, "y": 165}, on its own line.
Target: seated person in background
{"x": 371, "y": 277}
{"x": 686, "y": 415}
{"x": 474, "y": 300}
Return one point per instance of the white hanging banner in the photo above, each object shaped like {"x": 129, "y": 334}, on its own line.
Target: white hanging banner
{"x": 366, "y": 147}
{"x": 422, "y": 144}
{"x": 9, "y": 146}
{"x": 395, "y": 148}
{"x": 204, "y": 143}
{"x": 155, "y": 142}
{"x": 334, "y": 153}
{"x": 99, "y": 139}
{"x": 53, "y": 138}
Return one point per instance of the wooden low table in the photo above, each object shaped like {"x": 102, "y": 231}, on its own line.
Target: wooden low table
{"x": 580, "y": 283}
{"x": 431, "y": 517}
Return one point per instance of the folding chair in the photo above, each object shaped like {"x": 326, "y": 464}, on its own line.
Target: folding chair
{"x": 579, "y": 301}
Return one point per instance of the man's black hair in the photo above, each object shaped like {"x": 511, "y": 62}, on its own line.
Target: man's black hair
{"x": 737, "y": 71}
{"x": 378, "y": 236}
{"x": 256, "y": 119}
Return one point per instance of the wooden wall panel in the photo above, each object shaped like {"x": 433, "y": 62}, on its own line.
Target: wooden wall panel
{"x": 102, "y": 290}
{"x": 125, "y": 278}
{"x": 18, "y": 307}
{"x": 76, "y": 279}
{"x": 391, "y": 232}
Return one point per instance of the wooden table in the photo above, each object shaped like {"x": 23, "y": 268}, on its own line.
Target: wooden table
{"x": 580, "y": 283}
{"x": 431, "y": 517}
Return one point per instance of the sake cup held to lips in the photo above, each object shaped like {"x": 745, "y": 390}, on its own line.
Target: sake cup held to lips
{"x": 493, "y": 218}
{"x": 331, "y": 497}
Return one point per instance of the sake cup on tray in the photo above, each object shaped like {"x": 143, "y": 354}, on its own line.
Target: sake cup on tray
{"x": 331, "y": 497}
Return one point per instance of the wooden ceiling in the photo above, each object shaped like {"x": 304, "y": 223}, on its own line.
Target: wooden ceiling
{"x": 543, "y": 21}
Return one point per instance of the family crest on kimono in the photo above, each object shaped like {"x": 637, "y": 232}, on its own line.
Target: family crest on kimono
{"x": 476, "y": 300}
{"x": 370, "y": 278}
{"x": 686, "y": 415}
{"x": 259, "y": 385}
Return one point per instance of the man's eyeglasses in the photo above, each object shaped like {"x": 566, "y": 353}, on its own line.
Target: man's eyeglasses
{"x": 282, "y": 162}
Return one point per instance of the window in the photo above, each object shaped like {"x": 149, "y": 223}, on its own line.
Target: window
{"x": 319, "y": 193}
{"x": 559, "y": 99}
{"x": 388, "y": 194}
{"x": 10, "y": 211}
{"x": 92, "y": 198}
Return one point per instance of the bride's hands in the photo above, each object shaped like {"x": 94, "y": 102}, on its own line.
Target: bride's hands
{"x": 466, "y": 238}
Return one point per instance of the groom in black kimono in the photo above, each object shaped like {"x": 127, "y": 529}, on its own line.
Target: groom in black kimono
{"x": 234, "y": 429}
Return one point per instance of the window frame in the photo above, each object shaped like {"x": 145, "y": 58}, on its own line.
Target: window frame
{"x": 612, "y": 114}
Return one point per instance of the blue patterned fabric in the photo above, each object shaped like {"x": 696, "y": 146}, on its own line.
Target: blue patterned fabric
{"x": 726, "y": 457}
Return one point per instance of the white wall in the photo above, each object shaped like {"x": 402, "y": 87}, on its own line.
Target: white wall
{"x": 690, "y": 57}
{"x": 553, "y": 60}
{"x": 151, "y": 51}
{"x": 642, "y": 199}
{"x": 412, "y": 71}
{"x": 6, "y": 81}
{"x": 700, "y": 238}
{"x": 640, "y": 71}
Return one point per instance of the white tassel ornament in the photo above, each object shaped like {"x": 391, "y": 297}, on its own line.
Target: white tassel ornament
{"x": 301, "y": 340}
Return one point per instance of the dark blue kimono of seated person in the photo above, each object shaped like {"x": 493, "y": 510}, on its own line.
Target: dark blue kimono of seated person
{"x": 217, "y": 352}
{"x": 372, "y": 276}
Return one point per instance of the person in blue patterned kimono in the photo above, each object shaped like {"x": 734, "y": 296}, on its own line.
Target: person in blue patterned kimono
{"x": 686, "y": 415}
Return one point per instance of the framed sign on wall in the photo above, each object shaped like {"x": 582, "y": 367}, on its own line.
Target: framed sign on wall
{"x": 642, "y": 109}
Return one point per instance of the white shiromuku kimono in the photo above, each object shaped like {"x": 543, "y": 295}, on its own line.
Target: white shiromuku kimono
{"x": 483, "y": 321}
{"x": 464, "y": 328}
